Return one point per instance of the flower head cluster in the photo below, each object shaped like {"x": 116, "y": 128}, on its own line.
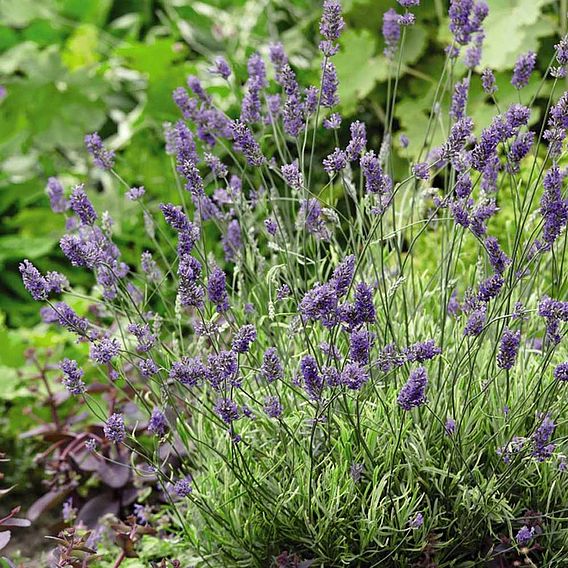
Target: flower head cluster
{"x": 73, "y": 376}
{"x": 413, "y": 393}
{"x": 114, "y": 428}
{"x": 102, "y": 157}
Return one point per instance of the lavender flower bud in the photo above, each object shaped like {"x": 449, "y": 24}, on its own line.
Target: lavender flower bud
{"x": 102, "y": 157}
{"x": 243, "y": 338}
{"x": 561, "y": 372}
{"x": 508, "y": 349}
{"x": 114, "y": 428}
{"x": 104, "y": 351}
{"x": 292, "y": 175}
{"x": 221, "y": 67}
{"x": 33, "y": 281}
{"x": 227, "y": 410}
{"x": 488, "y": 81}
{"x": 335, "y": 162}
{"x": 413, "y": 393}
{"x": 313, "y": 381}
{"x": 158, "y": 424}
{"x": 54, "y": 191}
{"x": 73, "y": 376}
{"x": 354, "y": 376}
{"x": 391, "y": 32}
{"x": 82, "y": 207}
{"x": 331, "y": 23}
{"x": 523, "y": 68}
{"x": 271, "y": 368}
{"x": 272, "y": 406}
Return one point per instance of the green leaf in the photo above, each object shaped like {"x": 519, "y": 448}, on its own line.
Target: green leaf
{"x": 81, "y": 48}
{"x": 358, "y": 69}
{"x": 512, "y": 27}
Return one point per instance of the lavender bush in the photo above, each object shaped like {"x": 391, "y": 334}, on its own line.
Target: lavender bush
{"x": 331, "y": 401}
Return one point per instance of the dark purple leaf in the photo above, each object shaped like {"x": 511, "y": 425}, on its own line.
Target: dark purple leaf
{"x": 46, "y": 502}
{"x": 4, "y": 539}
{"x": 97, "y": 507}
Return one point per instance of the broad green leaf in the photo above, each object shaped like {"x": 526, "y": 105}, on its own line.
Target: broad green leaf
{"x": 81, "y": 48}
{"x": 358, "y": 69}
{"x": 511, "y": 28}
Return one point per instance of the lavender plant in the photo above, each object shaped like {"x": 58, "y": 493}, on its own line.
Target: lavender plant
{"x": 335, "y": 402}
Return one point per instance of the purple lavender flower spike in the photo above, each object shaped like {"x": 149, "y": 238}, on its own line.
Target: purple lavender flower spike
{"x": 182, "y": 487}
{"x": 413, "y": 393}
{"x": 476, "y": 322}
{"x": 313, "y": 381}
{"x": 450, "y": 426}
{"x": 490, "y": 287}
{"x": 245, "y": 143}
{"x": 104, "y": 350}
{"x": 320, "y": 304}
{"x": 148, "y": 368}
{"x": 189, "y": 371}
{"x": 232, "y": 241}
{"x": 271, "y": 368}
{"x": 73, "y": 376}
{"x": 391, "y": 32}
{"x": 329, "y": 97}
{"x": 243, "y": 339}
{"x": 488, "y": 81}
{"x": 158, "y": 424}
{"x": 251, "y": 106}
{"x": 561, "y": 372}
{"x": 498, "y": 259}
{"x": 358, "y": 141}
{"x": 221, "y": 67}
{"x": 376, "y": 181}
{"x": 332, "y": 122}
{"x": 508, "y": 349}
{"x": 553, "y": 208}
{"x": 335, "y": 162}
{"x": 343, "y": 275}
{"x": 524, "y": 536}
{"x": 33, "y": 281}
{"x": 354, "y": 376}
{"x": 114, "y": 428}
{"x": 82, "y": 207}
{"x": 331, "y": 23}
{"x": 422, "y": 351}
{"x": 466, "y": 18}
{"x": 406, "y": 20}
{"x": 421, "y": 171}
{"x": 417, "y": 521}
{"x": 227, "y": 410}
{"x": 542, "y": 448}
{"x": 523, "y": 69}
{"x": 360, "y": 343}
{"x": 216, "y": 289}
{"x": 57, "y": 200}
{"x": 277, "y": 56}
{"x": 459, "y": 99}
{"x": 146, "y": 339}
{"x": 102, "y": 157}
{"x": 273, "y": 407}
{"x": 364, "y": 308}
{"x": 292, "y": 175}
{"x": 195, "y": 85}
